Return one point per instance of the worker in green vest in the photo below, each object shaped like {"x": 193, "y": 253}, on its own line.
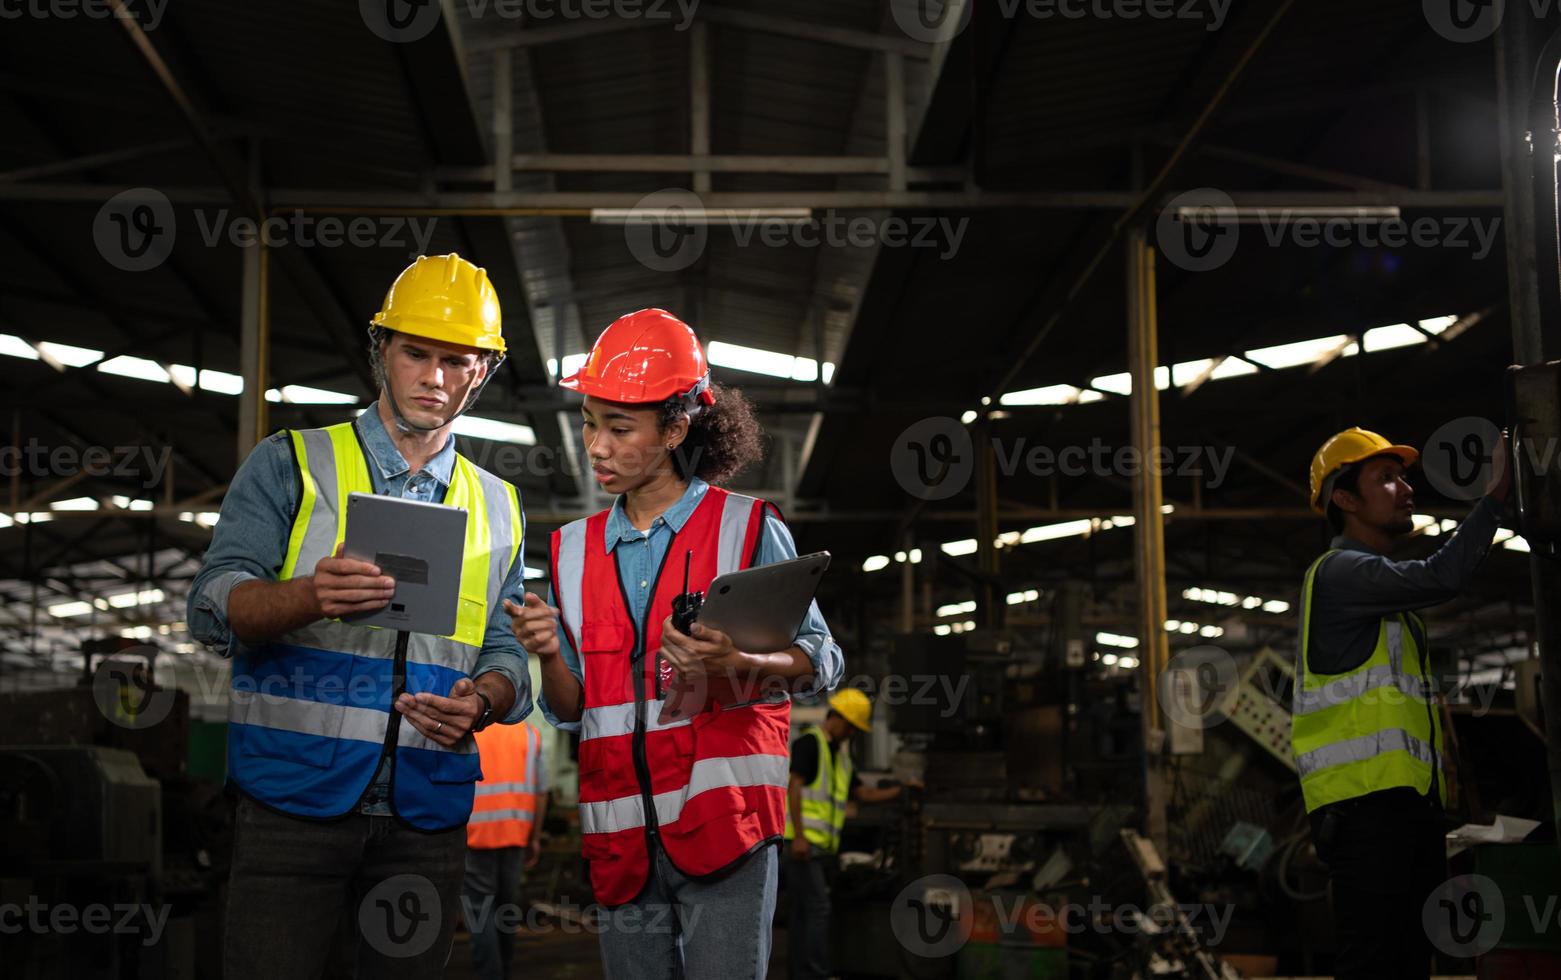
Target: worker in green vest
{"x": 1366, "y": 726}
{"x": 822, "y": 782}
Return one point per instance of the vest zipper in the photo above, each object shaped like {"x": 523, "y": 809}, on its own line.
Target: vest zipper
{"x": 398, "y": 685}
{"x": 636, "y": 664}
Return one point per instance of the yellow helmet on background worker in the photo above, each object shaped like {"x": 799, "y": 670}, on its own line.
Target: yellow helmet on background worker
{"x": 853, "y": 706}
{"x": 444, "y": 298}
{"x": 1350, "y": 446}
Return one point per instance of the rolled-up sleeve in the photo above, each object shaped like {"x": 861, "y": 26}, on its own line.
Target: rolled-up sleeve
{"x": 813, "y": 636}
{"x": 501, "y": 652}
{"x": 572, "y": 661}
{"x": 249, "y": 541}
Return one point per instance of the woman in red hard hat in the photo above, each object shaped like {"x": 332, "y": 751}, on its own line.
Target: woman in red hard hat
{"x": 678, "y": 818}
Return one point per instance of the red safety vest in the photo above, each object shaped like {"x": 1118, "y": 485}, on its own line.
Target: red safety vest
{"x": 505, "y": 807}
{"x": 712, "y": 787}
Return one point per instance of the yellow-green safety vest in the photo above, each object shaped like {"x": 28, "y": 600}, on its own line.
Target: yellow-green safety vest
{"x": 310, "y": 714}
{"x": 824, "y": 799}
{"x": 1372, "y": 728}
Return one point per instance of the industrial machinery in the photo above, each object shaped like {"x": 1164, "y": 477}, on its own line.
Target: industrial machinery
{"x": 112, "y": 852}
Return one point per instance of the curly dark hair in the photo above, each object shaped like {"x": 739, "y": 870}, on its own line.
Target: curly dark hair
{"x": 723, "y": 440}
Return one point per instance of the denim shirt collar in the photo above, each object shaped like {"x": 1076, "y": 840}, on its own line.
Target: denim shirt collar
{"x": 1344, "y": 542}
{"x": 382, "y": 450}
{"x": 619, "y": 527}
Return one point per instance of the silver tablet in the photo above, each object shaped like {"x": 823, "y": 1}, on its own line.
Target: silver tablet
{"x": 761, "y": 608}
{"x": 418, "y": 544}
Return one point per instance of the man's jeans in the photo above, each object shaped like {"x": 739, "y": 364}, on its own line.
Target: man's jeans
{"x": 493, "y": 879}
{"x": 686, "y": 929}
{"x": 807, "y": 929}
{"x": 392, "y": 893}
{"x": 1386, "y": 853}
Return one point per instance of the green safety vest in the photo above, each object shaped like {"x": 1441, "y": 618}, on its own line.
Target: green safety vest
{"x": 1372, "y": 728}
{"x": 313, "y": 738}
{"x": 824, "y": 799}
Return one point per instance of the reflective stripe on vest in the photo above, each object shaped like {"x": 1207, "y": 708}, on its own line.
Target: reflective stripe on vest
{"x": 824, "y": 799}
{"x": 504, "y": 808}
{"x": 712, "y": 786}
{"x": 625, "y": 812}
{"x": 1372, "y": 728}
{"x": 310, "y": 711}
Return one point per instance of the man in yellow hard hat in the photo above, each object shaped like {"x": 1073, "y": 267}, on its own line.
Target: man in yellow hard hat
{"x": 1366, "y": 727}
{"x": 352, "y": 751}
{"x": 822, "y": 782}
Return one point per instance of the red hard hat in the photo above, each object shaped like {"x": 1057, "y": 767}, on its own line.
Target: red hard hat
{"x": 644, "y": 356}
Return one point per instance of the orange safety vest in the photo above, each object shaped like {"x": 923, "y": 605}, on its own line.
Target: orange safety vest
{"x": 712, "y": 787}
{"x": 505, "y": 807}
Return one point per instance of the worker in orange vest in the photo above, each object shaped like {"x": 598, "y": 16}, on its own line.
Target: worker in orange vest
{"x": 501, "y": 840}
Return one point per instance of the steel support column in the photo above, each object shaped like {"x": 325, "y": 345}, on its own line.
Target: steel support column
{"x": 1149, "y": 520}
{"x": 254, "y": 351}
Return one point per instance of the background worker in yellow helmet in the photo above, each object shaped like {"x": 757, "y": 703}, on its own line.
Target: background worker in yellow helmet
{"x": 354, "y": 798}
{"x": 1367, "y": 729}
{"x": 823, "y": 780}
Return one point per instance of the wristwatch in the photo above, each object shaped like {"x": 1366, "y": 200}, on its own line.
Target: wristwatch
{"x": 486, "y": 718}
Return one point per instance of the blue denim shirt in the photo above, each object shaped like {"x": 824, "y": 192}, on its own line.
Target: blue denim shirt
{"x": 250, "y": 542}
{"x": 640, "y": 554}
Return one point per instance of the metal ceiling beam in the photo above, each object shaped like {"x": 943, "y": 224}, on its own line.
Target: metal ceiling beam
{"x": 532, "y": 36}
{"x": 93, "y": 160}
{"x": 726, "y": 163}
{"x": 580, "y": 203}
{"x": 812, "y": 31}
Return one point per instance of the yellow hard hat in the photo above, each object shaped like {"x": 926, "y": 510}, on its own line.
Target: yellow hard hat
{"x": 445, "y": 298}
{"x": 853, "y": 706}
{"x": 1351, "y": 446}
